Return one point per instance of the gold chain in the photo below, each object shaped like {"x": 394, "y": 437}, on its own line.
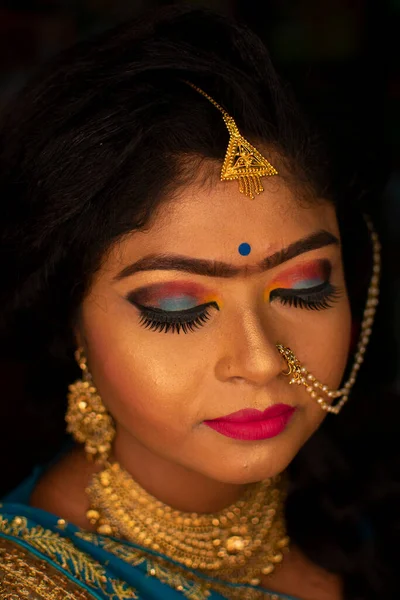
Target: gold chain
{"x": 238, "y": 544}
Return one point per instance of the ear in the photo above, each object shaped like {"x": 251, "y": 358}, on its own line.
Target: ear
{"x": 78, "y": 335}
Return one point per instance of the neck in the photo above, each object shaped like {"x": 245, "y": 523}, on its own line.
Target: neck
{"x": 173, "y": 484}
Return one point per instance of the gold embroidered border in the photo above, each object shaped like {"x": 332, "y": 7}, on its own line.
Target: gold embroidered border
{"x": 192, "y": 590}
{"x": 23, "y": 575}
{"x": 62, "y": 551}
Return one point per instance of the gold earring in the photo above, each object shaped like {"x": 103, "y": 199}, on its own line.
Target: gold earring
{"x": 87, "y": 418}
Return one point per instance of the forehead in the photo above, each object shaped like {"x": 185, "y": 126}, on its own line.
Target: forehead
{"x": 211, "y": 221}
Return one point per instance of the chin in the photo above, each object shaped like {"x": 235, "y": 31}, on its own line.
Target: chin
{"x": 254, "y": 468}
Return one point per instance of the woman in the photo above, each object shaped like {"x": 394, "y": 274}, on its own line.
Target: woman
{"x": 218, "y": 332}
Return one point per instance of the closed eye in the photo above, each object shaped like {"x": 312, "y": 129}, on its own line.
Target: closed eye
{"x": 175, "y": 321}
{"x": 320, "y": 297}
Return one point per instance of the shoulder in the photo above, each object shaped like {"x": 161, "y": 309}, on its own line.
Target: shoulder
{"x": 48, "y": 558}
{"x": 24, "y": 574}
{"x": 61, "y": 489}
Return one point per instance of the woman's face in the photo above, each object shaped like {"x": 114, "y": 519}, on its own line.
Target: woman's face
{"x": 181, "y": 325}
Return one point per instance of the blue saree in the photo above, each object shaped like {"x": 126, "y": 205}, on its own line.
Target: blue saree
{"x": 42, "y": 556}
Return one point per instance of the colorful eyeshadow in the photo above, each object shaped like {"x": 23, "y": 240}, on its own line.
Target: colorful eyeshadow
{"x": 172, "y": 297}
{"x": 244, "y": 249}
{"x": 301, "y": 277}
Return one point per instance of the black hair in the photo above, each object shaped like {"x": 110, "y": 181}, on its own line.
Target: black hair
{"x": 88, "y": 152}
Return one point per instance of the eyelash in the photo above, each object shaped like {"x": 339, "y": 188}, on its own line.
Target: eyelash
{"x": 318, "y": 298}
{"x": 185, "y": 321}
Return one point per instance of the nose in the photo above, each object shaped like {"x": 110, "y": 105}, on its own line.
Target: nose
{"x": 249, "y": 353}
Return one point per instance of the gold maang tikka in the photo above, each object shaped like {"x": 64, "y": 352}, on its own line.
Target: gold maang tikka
{"x": 242, "y": 160}
{"x": 298, "y": 373}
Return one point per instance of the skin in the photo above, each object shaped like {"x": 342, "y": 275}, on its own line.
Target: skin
{"x": 160, "y": 387}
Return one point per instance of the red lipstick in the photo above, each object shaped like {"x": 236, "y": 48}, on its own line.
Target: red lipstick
{"x": 252, "y": 424}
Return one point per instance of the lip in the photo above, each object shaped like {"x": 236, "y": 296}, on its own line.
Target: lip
{"x": 252, "y": 424}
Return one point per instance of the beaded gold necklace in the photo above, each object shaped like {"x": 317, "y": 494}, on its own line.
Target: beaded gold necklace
{"x": 238, "y": 544}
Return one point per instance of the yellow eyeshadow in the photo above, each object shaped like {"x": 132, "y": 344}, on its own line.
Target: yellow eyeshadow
{"x": 274, "y": 286}
{"x": 213, "y": 298}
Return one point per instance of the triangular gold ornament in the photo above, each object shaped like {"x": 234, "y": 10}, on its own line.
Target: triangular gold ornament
{"x": 242, "y": 160}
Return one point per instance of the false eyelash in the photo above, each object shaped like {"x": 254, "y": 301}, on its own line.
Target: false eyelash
{"x": 319, "y": 299}
{"x": 186, "y": 321}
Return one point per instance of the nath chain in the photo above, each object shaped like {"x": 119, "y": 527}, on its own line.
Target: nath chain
{"x": 301, "y": 376}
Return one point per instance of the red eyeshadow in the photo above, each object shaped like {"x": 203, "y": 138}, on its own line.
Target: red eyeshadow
{"x": 312, "y": 270}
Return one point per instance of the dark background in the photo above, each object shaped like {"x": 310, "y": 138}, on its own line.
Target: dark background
{"x": 340, "y": 55}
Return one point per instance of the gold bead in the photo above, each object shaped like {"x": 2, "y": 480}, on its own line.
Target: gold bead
{"x": 216, "y": 542}
{"x": 93, "y": 515}
{"x": 268, "y": 570}
{"x": 234, "y": 544}
{"x": 61, "y": 523}
{"x": 283, "y": 543}
{"x": 104, "y": 529}
{"x": 276, "y": 558}
{"x": 255, "y": 581}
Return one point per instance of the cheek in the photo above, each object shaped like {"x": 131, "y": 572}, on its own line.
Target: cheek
{"x": 327, "y": 349}
{"x": 143, "y": 380}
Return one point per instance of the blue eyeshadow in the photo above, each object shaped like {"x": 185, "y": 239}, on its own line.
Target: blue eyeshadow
{"x": 175, "y": 303}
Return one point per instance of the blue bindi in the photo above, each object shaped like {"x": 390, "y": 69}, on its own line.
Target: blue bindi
{"x": 244, "y": 249}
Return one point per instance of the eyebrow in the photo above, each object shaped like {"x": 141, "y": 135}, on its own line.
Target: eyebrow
{"x": 215, "y": 268}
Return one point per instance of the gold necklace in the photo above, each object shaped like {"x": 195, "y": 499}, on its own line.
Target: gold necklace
{"x": 238, "y": 544}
